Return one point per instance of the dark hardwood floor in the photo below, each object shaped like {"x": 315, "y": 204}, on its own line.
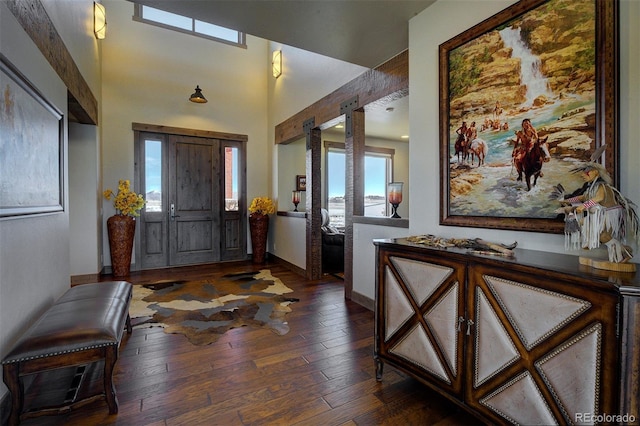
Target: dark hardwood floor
{"x": 320, "y": 373}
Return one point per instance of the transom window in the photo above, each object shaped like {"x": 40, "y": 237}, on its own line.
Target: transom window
{"x": 173, "y": 21}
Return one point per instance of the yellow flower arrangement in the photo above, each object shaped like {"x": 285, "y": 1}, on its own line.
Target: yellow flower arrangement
{"x": 125, "y": 201}
{"x": 262, "y": 205}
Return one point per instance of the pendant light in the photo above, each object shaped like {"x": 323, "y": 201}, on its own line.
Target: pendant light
{"x": 197, "y": 96}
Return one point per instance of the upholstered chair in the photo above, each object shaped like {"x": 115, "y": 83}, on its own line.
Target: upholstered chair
{"x": 332, "y": 246}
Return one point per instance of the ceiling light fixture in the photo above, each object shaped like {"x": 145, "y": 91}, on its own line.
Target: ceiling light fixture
{"x": 99, "y": 21}
{"x": 276, "y": 63}
{"x": 197, "y": 96}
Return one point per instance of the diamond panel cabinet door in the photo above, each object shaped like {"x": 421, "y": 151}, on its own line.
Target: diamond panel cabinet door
{"x": 538, "y": 347}
{"x": 421, "y": 301}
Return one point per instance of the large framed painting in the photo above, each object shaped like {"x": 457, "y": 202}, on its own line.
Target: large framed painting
{"x": 31, "y": 143}
{"x": 525, "y": 97}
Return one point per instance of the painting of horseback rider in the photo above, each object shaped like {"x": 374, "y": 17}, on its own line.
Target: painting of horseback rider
{"x": 529, "y": 153}
{"x": 508, "y": 75}
{"x": 461, "y": 142}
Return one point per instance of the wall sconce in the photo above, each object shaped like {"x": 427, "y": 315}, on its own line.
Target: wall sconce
{"x": 395, "y": 197}
{"x": 99, "y": 21}
{"x": 295, "y": 199}
{"x": 197, "y": 96}
{"x": 276, "y": 63}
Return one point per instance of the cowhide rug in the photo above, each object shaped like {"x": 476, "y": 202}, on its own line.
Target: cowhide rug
{"x": 204, "y": 310}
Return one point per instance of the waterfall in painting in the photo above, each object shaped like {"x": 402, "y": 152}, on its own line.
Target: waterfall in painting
{"x": 530, "y": 74}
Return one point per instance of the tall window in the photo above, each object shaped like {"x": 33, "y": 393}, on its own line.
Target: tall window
{"x": 153, "y": 175}
{"x": 378, "y": 171}
{"x": 173, "y": 21}
{"x": 335, "y": 185}
{"x": 230, "y": 178}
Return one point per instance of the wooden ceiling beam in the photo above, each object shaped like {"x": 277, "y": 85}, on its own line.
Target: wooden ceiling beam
{"x": 34, "y": 19}
{"x": 382, "y": 84}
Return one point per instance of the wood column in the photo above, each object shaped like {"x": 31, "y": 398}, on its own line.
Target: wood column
{"x": 313, "y": 200}
{"x": 354, "y": 185}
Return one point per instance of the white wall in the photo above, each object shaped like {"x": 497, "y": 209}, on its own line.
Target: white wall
{"x": 73, "y": 20}
{"x": 288, "y": 237}
{"x": 34, "y": 251}
{"x": 630, "y": 101}
{"x": 148, "y": 75}
{"x": 287, "y": 233}
{"x": 85, "y": 200}
{"x": 437, "y": 24}
{"x": 306, "y": 78}
{"x": 292, "y": 161}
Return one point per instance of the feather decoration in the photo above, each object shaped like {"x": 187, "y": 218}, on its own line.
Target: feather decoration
{"x": 571, "y": 232}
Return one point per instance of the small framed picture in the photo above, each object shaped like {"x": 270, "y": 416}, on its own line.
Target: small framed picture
{"x": 301, "y": 183}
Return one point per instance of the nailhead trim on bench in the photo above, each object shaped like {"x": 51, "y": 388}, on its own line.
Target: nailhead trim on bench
{"x": 11, "y": 361}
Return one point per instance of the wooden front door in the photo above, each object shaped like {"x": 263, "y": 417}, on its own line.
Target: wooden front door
{"x": 194, "y": 200}
{"x": 195, "y": 191}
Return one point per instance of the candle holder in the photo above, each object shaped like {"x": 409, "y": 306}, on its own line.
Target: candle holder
{"x": 395, "y": 197}
{"x": 295, "y": 199}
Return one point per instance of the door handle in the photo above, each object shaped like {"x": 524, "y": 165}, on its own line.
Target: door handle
{"x": 469, "y": 324}
{"x": 172, "y": 212}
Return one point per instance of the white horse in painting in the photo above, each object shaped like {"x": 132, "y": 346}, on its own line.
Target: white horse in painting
{"x": 479, "y": 148}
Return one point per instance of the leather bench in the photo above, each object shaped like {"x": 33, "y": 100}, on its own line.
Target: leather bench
{"x": 83, "y": 327}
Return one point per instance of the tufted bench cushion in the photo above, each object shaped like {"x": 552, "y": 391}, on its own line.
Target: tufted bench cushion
{"x": 84, "y": 326}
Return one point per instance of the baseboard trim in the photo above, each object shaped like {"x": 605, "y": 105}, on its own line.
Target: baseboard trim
{"x": 363, "y": 300}
{"x": 290, "y": 266}
{"x": 82, "y": 279}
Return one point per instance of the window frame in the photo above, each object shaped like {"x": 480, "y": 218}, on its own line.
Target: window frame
{"x": 388, "y": 153}
{"x": 138, "y": 16}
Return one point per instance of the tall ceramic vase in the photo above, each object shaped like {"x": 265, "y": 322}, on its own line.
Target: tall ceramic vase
{"x": 121, "y": 230}
{"x": 259, "y": 227}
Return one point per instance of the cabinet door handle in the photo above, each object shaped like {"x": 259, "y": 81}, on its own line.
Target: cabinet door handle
{"x": 460, "y": 321}
{"x": 469, "y": 324}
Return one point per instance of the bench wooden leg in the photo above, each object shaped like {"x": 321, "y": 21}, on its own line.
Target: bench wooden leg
{"x": 129, "y": 328}
{"x": 11, "y": 378}
{"x": 111, "y": 356}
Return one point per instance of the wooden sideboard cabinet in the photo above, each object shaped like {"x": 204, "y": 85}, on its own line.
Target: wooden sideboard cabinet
{"x": 533, "y": 339}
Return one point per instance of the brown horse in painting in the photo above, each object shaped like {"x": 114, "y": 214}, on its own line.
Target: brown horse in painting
{"x": 462, "y": 148}
{"x": 531, "y": 162}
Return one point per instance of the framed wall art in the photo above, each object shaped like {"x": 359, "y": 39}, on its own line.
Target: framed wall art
{"x": 31, "y": 143}
{"x": 301, "y": 182}
{"x": 526, "y": 96}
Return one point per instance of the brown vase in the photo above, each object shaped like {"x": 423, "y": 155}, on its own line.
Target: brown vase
{"x": 259, "y": 227}
{"x": 121, "y": 230}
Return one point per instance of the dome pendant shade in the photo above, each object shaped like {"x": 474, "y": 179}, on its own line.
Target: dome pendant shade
{"x": 198, "y": 97}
